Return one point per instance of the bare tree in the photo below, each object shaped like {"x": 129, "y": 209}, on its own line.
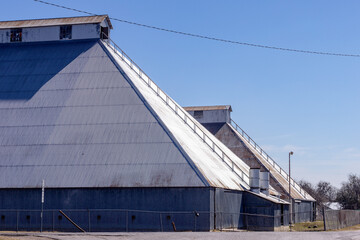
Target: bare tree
{"x": 326, "y": 192}
{"x": 308, "y": 187}
{"x": 349, "y": 194}
{"x": 323, "y": 192}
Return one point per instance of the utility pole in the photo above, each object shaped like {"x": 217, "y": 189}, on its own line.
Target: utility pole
{"x": 290, "y": 200}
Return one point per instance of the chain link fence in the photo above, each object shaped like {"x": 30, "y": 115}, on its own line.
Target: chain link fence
{"x": 125, "y": 220}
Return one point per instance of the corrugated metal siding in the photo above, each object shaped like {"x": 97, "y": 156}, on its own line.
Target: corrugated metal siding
{"x": 69, "y": 117}
{"x": 54, "y": 22}
{"x": 84, "y": 206}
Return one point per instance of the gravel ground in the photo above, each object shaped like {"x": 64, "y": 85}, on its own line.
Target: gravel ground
{"x": 345, "y": 235}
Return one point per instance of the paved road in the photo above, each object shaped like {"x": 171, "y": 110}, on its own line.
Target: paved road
{"x": 346, "y": 235}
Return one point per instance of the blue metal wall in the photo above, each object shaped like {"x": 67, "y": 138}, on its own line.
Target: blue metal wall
{"x": 304, "y": 211}
{"x": 176, "y": 205}
{"x": 138, "y": 209}
{"x": 227, "y": 206}
{"x": 255, "y": 205}
{"x": 244, "y": 210}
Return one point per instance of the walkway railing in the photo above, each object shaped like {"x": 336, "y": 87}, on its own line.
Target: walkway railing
{"x": 267, "y": 157}
{"x": 179, "y": 111}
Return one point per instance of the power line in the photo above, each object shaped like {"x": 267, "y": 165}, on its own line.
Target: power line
{"x": 207, "y": 37}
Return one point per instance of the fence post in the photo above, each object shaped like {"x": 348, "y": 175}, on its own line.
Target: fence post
{"x": 17, "y": 220}
{"x": 89, "y": 219}
{"x": 222, "y": 221}
{"x": 161, "y": 225}
{"x": 127, "y": 217}
{"x": 275, "y": 220}
{"x": 233, "y": 225}
{"x": 323, "y": 210}
{"x": 53, "y": 221}
{"x": 194, "y": 222}
{"x": 246, "y": 221}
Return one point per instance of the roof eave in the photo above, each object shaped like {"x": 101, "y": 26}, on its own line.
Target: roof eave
{"x": 208, "y": 108}
{"x": 104, "y": 17}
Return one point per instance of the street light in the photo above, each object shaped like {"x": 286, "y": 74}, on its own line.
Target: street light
{"x": 290, "y": 210}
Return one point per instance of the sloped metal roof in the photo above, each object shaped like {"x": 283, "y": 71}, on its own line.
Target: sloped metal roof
{"x": 54, "y": 22}
{"x": 74, "y": 114}
{"x": 69, "y": 116}
{"x": 270, "y": 198}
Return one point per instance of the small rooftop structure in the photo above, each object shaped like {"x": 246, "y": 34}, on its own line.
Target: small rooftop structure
{"x": 213, "y": 114}
{"x": 209, "y": 108}
{"x": 55, "y": 29}
{"x": 47, "y": 22}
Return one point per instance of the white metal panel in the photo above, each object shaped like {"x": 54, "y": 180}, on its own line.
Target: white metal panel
{"x": 52, "y": 33}
{"x": 4, "y": 35}
{"x": 41, "y": 34}
{"x": 86, "y": 31}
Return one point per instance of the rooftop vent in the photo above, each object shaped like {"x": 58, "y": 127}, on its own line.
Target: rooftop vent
{"x": 264, "y": 182}
{"x": 255, "y": 180}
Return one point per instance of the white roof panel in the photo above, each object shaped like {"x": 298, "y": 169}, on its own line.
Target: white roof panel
{"x": 216, "y": 172}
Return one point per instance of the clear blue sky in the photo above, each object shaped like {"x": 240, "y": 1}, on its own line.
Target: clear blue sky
{"x": 285, "y": 101}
